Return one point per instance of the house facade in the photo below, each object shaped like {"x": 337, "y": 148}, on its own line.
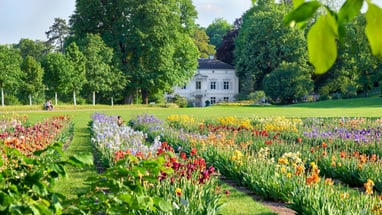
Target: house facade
{"x": 213, "y": 82}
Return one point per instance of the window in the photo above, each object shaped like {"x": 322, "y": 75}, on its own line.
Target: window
{"x": 226, "y": 85}
{"x": 213, "y": 100}
{"x": 226, "y": 99}
{"x": 213, "y": 85}
{"x": 198, "y": 85}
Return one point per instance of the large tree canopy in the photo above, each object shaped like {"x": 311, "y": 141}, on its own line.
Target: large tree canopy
{"x": 216, "y": 31}
{"x": 151, "y": 39}
{"x": 202, "y": 41}
{"x": 264, "y": 42}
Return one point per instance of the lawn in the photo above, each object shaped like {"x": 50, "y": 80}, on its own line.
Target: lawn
{"x": 72, "y": 185}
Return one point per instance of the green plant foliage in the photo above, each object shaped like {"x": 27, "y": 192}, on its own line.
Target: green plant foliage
{"x": 319, "y": 35}
{"x": 288, "y": 83}
{"x": 373, "y": 29}
{"x": 328, "y": 29}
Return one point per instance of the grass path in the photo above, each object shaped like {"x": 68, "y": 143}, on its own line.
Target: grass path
{"x": 73, "y": 183}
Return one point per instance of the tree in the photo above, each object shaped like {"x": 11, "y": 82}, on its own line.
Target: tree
{"x": 225, "y": 51}
{"x": 216, "y": 31}
{"x": 201, "y": 41}
{"x": 55, "y": 66}
{"x": 74, "y": 78}
{"x": 151, "y": 39}
{"x": 36, "y": 49}
{"x": 57, "y": 34}
{"x": 288, "y": 83}
{"x": 10, "y": 71}
{"x": 263, "y": 43}
{"x": 32, "y": 77}
{"x": 99, "y": 73}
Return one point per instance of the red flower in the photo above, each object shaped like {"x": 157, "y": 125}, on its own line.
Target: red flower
{"x": 183, "y": 156}
{"x": 194, "y": 151}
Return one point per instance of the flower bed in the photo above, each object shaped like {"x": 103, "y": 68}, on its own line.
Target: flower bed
{"x": 30, "y": 164}
{"x": 146, "y": 177}
{"x": 280, "y": 163}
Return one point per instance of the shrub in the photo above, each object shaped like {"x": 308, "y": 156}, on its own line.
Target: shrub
{"x": 287, "y": 83}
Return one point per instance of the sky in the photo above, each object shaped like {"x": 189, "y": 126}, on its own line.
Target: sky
{"x": 32, "y": 18}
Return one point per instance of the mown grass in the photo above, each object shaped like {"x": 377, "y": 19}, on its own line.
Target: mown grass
{"x": 236, "y": 203}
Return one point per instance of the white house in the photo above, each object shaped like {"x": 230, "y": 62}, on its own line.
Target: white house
{"x": 213, "y": 82}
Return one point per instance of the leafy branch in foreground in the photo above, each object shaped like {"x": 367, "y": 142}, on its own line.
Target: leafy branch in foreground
{"x": 329, "y": 28}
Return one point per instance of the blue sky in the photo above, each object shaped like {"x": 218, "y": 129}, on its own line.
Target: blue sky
{"x": 32, "y": 18}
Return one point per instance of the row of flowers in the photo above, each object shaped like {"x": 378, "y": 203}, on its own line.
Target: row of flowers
{"x": 147, "y": 175}
{"x": 292, "y": 168}
{"x": 30, "y": 163}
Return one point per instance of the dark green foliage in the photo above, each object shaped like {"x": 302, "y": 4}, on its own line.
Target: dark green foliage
{"x": 263, "y": 43}
{"x": 288, "y": 83}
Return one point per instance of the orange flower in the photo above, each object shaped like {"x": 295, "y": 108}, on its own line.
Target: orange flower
{"x": 299, "y": 170}
{"x": 363, "y": 158}
{"x": 342, "y": 154}
{"x": 324, "y": 145}
{"x": 312, "y": 150}
{"x": 329, "y": 181}
{"x": 313, "y": 179}
{"x": 369, "y": 186}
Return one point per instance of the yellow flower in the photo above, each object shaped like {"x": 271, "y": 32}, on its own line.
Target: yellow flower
{"x": 283, "y": 170}
{"x": 369, "y": 186}
{"x": 288, "y": 175}
{"x": 329, "y": 181}
{"x": 344, "y": 195}
{"x": 178, "y": 191}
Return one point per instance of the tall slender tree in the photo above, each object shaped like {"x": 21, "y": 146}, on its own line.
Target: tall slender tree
{"x": 10, "y": 72}
{"x": 74, "y": 77}
{"x": 99, "y": 73}
{"x": 32, "y": 80}
{"x": 57, "y": 34}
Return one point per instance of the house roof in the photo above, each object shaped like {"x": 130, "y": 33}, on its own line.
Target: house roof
{"x": 206, "y": 63}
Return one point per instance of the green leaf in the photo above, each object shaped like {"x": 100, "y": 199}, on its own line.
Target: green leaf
{"x": 322, "y": 45}
{"x": 302, "y": 13}
{"x": 374, "y": 28}
{"x": 297, "y": 3}
{"x": 164, "y": 206}
{"x": 82, "y": 159}
{"x": 5, "y": 201}
{"x": 349, "y": 10}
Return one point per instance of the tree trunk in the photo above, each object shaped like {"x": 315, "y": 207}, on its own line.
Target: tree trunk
{"x": 112, "y": 101}
{"x": 128, "y": 99}
{"x": 55, "y": 97}
{"x": 145, "y": 97}
{"x": 2, "y": 97}
{"x": 74, "y": 98}
{"x": 30, "y": 99}
{"x": 93, "y": 98}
